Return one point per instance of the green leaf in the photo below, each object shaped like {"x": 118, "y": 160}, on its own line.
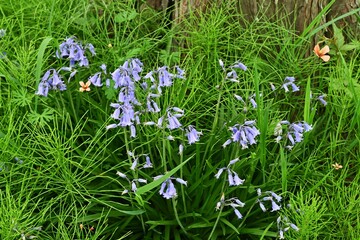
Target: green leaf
{"x": 125, "y": 16}
{"x": 339, "y": 37}
{"x": 350, "y": 46}
{"x": 110, "y": 92}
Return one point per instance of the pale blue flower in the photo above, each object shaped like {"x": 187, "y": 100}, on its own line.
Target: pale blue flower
{"x": 235, "y": 203}
{"x": 244, "y": 134}
{"x": 233, "y": 177}
{"x": 322, "y": 100}
{"x": 283, "y": 225}
{"x": 2, "y": 33}
{"x": 192, "y": 135}
{"x": 271, "y": 197}
{"x": 74, "y": 51}
{"x": 289, "y": 81}
{"x": 167, "y": 189}
{"x": 239, "y": 65}
{"x": 50, "y": 81}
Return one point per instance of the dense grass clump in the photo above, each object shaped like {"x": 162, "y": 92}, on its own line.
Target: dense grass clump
{"x": 116, "y": 123}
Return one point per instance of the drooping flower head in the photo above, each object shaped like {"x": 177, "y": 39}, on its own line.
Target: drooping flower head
{"x": 192, "y": 135}
{"x": 244, "y": 134}
{"x": 290, "y": 81}
{"x": 167, "y": 189}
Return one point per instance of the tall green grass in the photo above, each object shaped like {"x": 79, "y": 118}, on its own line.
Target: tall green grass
{"x": 58, "y": 163}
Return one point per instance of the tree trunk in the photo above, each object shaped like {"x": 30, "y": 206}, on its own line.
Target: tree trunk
{"x": 300, "y": 12}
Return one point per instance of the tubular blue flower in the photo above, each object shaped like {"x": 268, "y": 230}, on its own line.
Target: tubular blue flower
{"x": 2, "y": 33}
{"x": 172, "y": 118}
{"x": 148, "y": 163}
{"x": 244, "y": 134}
{"x": 283, "y": 225}
{"x": 269, "y": 196}
{"x": 232, "y": 76}
{"x": 74, "y": 52}
{"x": 232, "y": 202}
{"x": 165, "y": 78}
{"x": 91, "y": 48}
{"x": 272, "y": 86}
{"x": 289, "y": 81}
{"x": 239, "y": 65}
{"x": 221, "y": 63}
{"x": 50, "y": 80}
{"x": 180, "y": 73}
{"x": 321, "y": 99}
{"x": 233, "y": 177}
{"x": 193, "y": 135}
{"x": 96, "y": 79}
{"x": 167, "y": 189}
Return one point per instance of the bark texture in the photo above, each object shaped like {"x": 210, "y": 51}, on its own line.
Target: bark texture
{"x": 299, "y": 12}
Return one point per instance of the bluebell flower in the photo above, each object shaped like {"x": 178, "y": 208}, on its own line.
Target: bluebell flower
{"x": 233, "y": 177}
{"x": 232, "y": 76}
{"x": 165, "y": 78}
{"x": 322, "y": 100}
{"x": 121, "y": 77}
{"x": 289, "y": 81}
{"x": 151, "y": 104}
{"x": 96, "y": 79}
{"x": 2, "y": 33}
{"x": 134, "y": 185}
{"x": 272, "y": 86}
{"x": 167, "y": 189}
{"x": 269, "y": 197}
{"x": 252, "y": 101}
{"x": 244, "y": 134}
{"x": 283, "y": 225}
{"x": 192, "y": 135}
{"x": 172, "y": 117}
{"x": 74, "y": 51}
{"x": 50, "y": 81}
{"x": 91, "y": 48}
{"x": 221, "y": 63}
{"x": 239, "y": 98}
{"x": 180, "y": 73}
{"x": 181, "y": 149}
{"x": 239, "y": 65}
{"x": 234, "y": 202}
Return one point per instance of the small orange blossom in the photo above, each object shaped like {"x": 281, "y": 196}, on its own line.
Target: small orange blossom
{"x": 84, "y": 86}
{"x": 321, "y": 52}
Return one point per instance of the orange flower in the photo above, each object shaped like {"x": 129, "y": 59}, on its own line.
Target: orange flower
{"x": 84, "y": 86}
{"x": 321, "y": 52}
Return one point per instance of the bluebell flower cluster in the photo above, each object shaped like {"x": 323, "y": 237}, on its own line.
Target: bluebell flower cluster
{"x": 235, "y": 203}
{"x": 167, "y": 189}
{"x": 192, "y": 135}
{"x": 283, "y": 225}
{"x": 135, "y": 163}
{"x": 233, "y": 177}
{"x": 50, "y": 81}
{"x": 232, "y": 75}
{"x": 244, "y": 134}
{"x": 251, "y": 99}
{"x": 271, "y": 197}
{"x": 133, "y": 183}
{"x": 290, "y": 81}
{"x": 75, "y": 52}
{"x": 295, "y": 132}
